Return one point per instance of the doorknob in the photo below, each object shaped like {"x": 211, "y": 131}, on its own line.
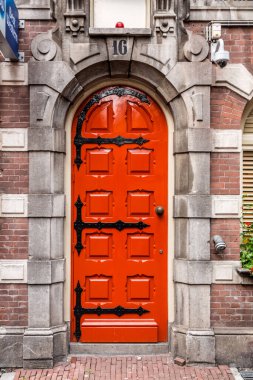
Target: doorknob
{"x": 159, "y": 210}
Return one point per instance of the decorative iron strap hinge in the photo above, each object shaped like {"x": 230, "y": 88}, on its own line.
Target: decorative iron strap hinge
{"x": 79, "y": 311}
{"x": 79, "y": 225}
{"x": 119, "y": 141}
{"x": 118, "y": 91}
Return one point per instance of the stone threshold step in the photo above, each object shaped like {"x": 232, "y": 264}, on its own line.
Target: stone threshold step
{"x": 105, "y": 349}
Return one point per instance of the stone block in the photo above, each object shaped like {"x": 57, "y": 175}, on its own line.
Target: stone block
{"x": 42, "y": 104}
{"x": 88, "y": 55}
{"x": 118, "y": 349}
{"x": 60, "y": 346}
{"x": 178, "y": 343}
{"x": 192, "y": 140}
{"x": 56, "y": 304}
{"x": 192, "y": 206}
{"x": 46, "y": 139}
{"x": 39, "y": 307}
{"x": 46, "y": 172}
{"x": 234, "y": 348}
{"x": 182, "y": 306}
{"x": 236, "y": 77}
{"x": 161, "y": 56}
{"x": 226, "y": 206}
{"x": 226, "y": 272}
{"x": 80, "y": 52}
{"x": 60, "y": 112}
{"x": 58, "y": 173}
{"x": 192, "y": 239}
{"x": 34, "y": 9}
{"x": 196, "y": 173}
{"x": 45, "y": 272}
{"x": 58, "y": 270}
{"x": 38, "y": 347}
{"x": 228, "y": 140}
{"x": 39, "y": 169}
{"x": 200, "y": 11}
{"x": 119, "y": 69}
{"x": 94, "y": 73}
{"x": 120, "y": 32}
{"x": 57, "y": 238}
{"x": 46, "y": 205}
{"x": 13, "y": 271}
{"x": 142, "y": 71}
{"x": 120, "y": 48}
{"x": 192, "y": 306}
{"x": 34, "y": 363}
{"x": 13, "y": 139}
{"x": 179, "y": 109}
{"x": 39, "y": 238}
{"x": 223, "y": 273}
{"x": 200, "y": 347}
{"x": 56, "y": 75}
{"x": 197, "y": 101}
{"x": 199, "y": 311}
{"x": 46, "y": 238}
{"x": 193, "y": 272}
{"x": 11, "y": 348}
{"x": 166, "y": 91}
{"x": 13, "y": 74}
{"x": 185, "y": 75}
{"x": 13, "y": 205}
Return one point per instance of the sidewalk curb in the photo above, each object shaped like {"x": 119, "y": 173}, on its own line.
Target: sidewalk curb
{"x": 234, "y": 372}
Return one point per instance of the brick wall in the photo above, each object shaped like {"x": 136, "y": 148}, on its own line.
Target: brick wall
{"x": 239, "y": 42}
{"x": 226, "y": 108}
{"x": 14, "y": 171}
{"x": 13, "y": 305}
{"x": 231, "y": 306}
{"x": 229, "y": 229}
{"x": 225, "y": 173}
{"x": 13, "y": 238}
{"x": 14, "y": 107}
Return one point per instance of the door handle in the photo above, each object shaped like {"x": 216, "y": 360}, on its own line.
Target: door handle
{"x": 159, "y": 210}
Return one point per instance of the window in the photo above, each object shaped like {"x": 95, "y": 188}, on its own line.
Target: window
{"x": 133, "y": 13}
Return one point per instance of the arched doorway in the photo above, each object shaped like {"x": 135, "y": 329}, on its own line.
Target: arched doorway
{"x": 119, "y": 233}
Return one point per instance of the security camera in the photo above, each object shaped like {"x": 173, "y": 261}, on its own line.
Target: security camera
{"x": 218, "y": 54}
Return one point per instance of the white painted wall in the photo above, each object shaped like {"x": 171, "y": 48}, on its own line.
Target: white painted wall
{"x": 133, "y": 13}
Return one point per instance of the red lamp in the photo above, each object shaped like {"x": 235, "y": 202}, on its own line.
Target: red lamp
{"x": 119, "y": 24}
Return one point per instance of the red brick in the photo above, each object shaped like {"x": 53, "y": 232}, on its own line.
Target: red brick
{"x": 13, "y": 308}
{"x": 13, "y": 238}
{"x": 230, "y": 309}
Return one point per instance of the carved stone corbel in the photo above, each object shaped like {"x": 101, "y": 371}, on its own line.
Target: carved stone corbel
{"x": 165, "y": 23}
{"x": 75, "y": 22}
{"x": 165, "y": 17}
{"x": 75, "y": 17}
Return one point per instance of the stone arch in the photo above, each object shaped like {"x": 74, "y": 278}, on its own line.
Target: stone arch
{"x": 142, "y": 75}
{"x": 55, "y": 88}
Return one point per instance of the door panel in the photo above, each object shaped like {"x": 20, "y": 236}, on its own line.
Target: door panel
{"x": 119, "y": 243}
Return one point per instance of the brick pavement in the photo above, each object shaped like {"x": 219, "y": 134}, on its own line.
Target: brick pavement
{"x": 125, "y": 368}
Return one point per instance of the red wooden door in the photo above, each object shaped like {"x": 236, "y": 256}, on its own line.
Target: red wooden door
{"x": 119, "y": 242}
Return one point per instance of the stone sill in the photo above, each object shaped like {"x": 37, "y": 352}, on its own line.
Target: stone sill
{"x": 246, "y": 274}
{"x": 221, "y": 8}
{"x": 141, "y": 32}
